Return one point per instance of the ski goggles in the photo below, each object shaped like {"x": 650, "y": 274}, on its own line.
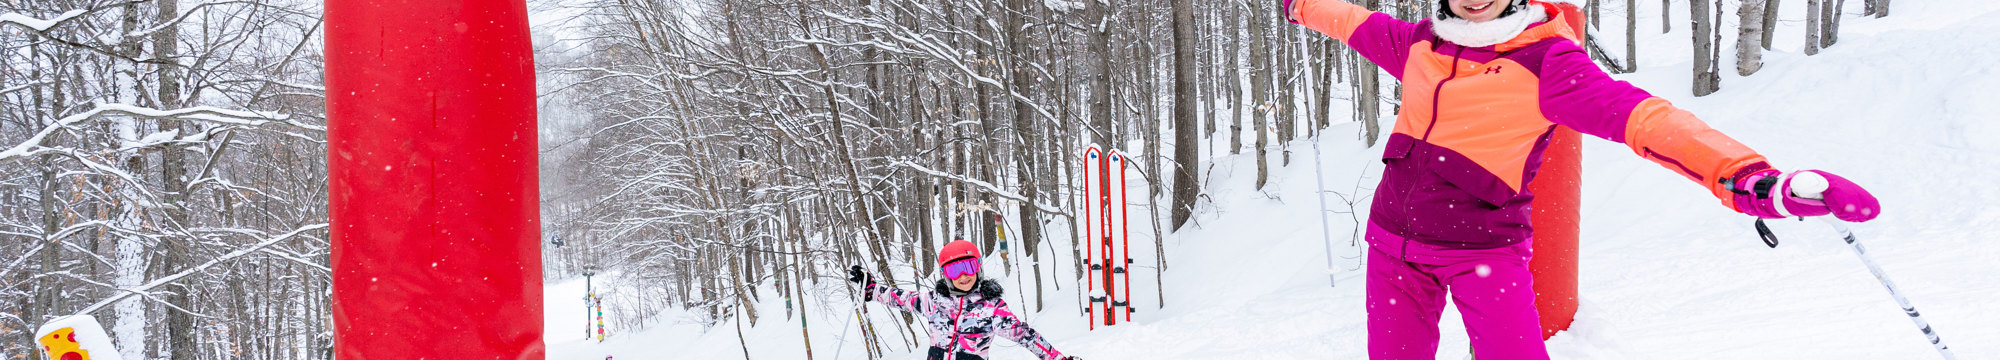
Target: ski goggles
{"x": 961, "y": 268}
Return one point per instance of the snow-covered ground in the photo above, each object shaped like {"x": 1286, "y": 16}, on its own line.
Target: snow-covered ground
{"x": 1903, "y": 105}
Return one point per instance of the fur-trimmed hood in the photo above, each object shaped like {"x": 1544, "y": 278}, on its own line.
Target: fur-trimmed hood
{"x": 987, "y": 288}
{"x": 1457, "y": 30}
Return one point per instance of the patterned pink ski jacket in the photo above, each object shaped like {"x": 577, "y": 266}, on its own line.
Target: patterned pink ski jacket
{"x": 964, "y": 323}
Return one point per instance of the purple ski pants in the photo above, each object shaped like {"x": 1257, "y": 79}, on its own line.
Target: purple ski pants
{"x": 1407, "y": 283}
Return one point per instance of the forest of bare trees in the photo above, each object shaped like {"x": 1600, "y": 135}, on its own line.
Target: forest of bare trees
{"x": 162, "y": 162}
{"x": 163, "y": 169}
{"x": 771, "y": 142}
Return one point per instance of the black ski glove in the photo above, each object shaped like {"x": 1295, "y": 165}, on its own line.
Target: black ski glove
{"x": 1071, "y": 358}
{"x": 855, "y": 275}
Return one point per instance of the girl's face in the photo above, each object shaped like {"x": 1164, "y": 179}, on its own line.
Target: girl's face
{"x": 964, "y": 283}
{"x": 1477, "y": 11}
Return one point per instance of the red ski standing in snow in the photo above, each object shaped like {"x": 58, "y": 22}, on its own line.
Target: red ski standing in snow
{"x": 1485, "y": 82}
{"x": 964, "y": 311}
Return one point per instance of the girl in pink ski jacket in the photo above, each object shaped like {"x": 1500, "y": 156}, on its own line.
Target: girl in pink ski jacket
{"x": 963, "y": 312}
{"x": 1485, "y": 82}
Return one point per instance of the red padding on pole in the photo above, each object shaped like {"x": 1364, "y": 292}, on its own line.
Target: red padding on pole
{"x": 1558, "y": 189}
{"x": 1557, "y": 194}
{"x": 432, "y": 159}
{"x": 1557, "y": 217}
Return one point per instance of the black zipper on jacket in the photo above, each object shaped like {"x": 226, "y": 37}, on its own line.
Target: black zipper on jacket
{"x": 1435, "y": 95}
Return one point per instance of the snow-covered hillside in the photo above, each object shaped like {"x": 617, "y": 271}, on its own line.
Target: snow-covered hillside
{"x": 1904, "y": 105}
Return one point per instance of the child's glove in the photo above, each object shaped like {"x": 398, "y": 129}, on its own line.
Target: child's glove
{"x": 855, "y": 275}
{"x": 1287, "y": 12}
{"x": 1802, "y": 193}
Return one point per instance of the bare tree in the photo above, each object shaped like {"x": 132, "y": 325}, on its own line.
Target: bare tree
{"x": 1100, "y": 77}
{"x": 1705, "y": 79}
{"x": 1260, "y": 91}
{"x": 1186, "y": 145}
{"x": 1632, "y": 36}
{"x": 1367, "y": 98}
{"x": 1237, "y": 38}
{"x": 1667, "y": 15}
{"x": 122, "y": 129}
{"x": 778, "y": 139}
{"x": 1770, "y": 21}
{"x": 1749, "y": 37}
{"x": 1830, "y": 21}
{"x": 1813, "y": 23}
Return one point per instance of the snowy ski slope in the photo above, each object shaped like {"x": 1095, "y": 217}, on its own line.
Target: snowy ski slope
{"x": 1904, "y": 105}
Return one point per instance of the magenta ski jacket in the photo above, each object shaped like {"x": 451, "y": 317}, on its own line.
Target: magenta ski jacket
{"x": 964, "y": 324}
{"x": 1476, "y": 121}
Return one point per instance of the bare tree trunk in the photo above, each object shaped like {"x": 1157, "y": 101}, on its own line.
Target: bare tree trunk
{"x": 800, "y": 269}
{"x": 1287, "y": 79}
{"x": 1667, "y": 16}
{"x": 1830, "y": 22}
{"x": 738, "y": 269}
{"x": 1205, "y": 68}
{"x": 1024, "y": 132}
{"x": 1631, "y": 36}
{"x": 1881, "y": 8}
{"x": 173, "y": 168}
{"x": 1260, "y": 93}
{"x": 1705, "y": 79}
{"x": 1100, "y": 77}
{"x": 1235, "y": 83}
{"x": 1322, "y": 84}
{"x": 1594, "y": 15}
{"x": 1770, "y": 22}
{"x": 47, "y": 297}
{"x": 1186, "y": 145}
{"x": 1812, "y": 26}
{"x": 739, "y": 336}
{"x": 133, "y": 255}
{"x": 1750, "y": 32}
{"x": 1366, "y": 97}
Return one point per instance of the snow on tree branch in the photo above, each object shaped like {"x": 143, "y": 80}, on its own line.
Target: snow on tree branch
{"x": 38, "y": 25}
{"x": 33, "y": 145}
{"x": 982, "y": 184}
{"x": 127, "y": 292}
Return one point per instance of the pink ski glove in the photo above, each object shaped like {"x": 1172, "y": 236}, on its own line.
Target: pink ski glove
{"x": 1288, "y": 12}
{"x": 1802, "y": 193}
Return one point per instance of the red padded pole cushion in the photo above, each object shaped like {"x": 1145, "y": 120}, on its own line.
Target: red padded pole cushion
{"x": 1556, "y": 218}
{"x": 432, "y": 180}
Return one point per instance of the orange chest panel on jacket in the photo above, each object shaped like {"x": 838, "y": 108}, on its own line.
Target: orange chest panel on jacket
{"x": 1489, "y": 112}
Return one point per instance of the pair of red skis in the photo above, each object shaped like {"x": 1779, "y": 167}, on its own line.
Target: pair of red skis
{"x": 1105, "y": 230}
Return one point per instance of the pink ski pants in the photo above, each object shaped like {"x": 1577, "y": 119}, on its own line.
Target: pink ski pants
{"x": 1407, "y": 283}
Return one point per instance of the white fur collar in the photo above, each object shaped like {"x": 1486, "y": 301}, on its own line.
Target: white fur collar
{"x": 1460, "y": 31}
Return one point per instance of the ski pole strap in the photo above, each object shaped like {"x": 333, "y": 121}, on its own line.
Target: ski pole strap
{"x": 1763, "y": 231}
{"x": 1762, "y": 189}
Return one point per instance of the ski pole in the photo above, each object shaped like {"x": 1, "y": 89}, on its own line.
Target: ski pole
{"x": 1319, "y": 183}
{"x": 1873, "y": 268}
{"x": 1811, "y": 185}
{"x": 843, "y": 336}
{"x": 851, "y": 321}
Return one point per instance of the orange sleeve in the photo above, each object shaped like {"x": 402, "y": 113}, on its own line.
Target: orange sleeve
{"x": 1334, "y": 18}
{"x": 1677, "y": 140}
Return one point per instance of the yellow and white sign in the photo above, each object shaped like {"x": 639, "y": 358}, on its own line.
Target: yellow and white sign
{"x": 75, "y": 338}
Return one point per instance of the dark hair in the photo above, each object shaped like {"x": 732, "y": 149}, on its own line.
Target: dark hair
{"x": 1444, "y": 8}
